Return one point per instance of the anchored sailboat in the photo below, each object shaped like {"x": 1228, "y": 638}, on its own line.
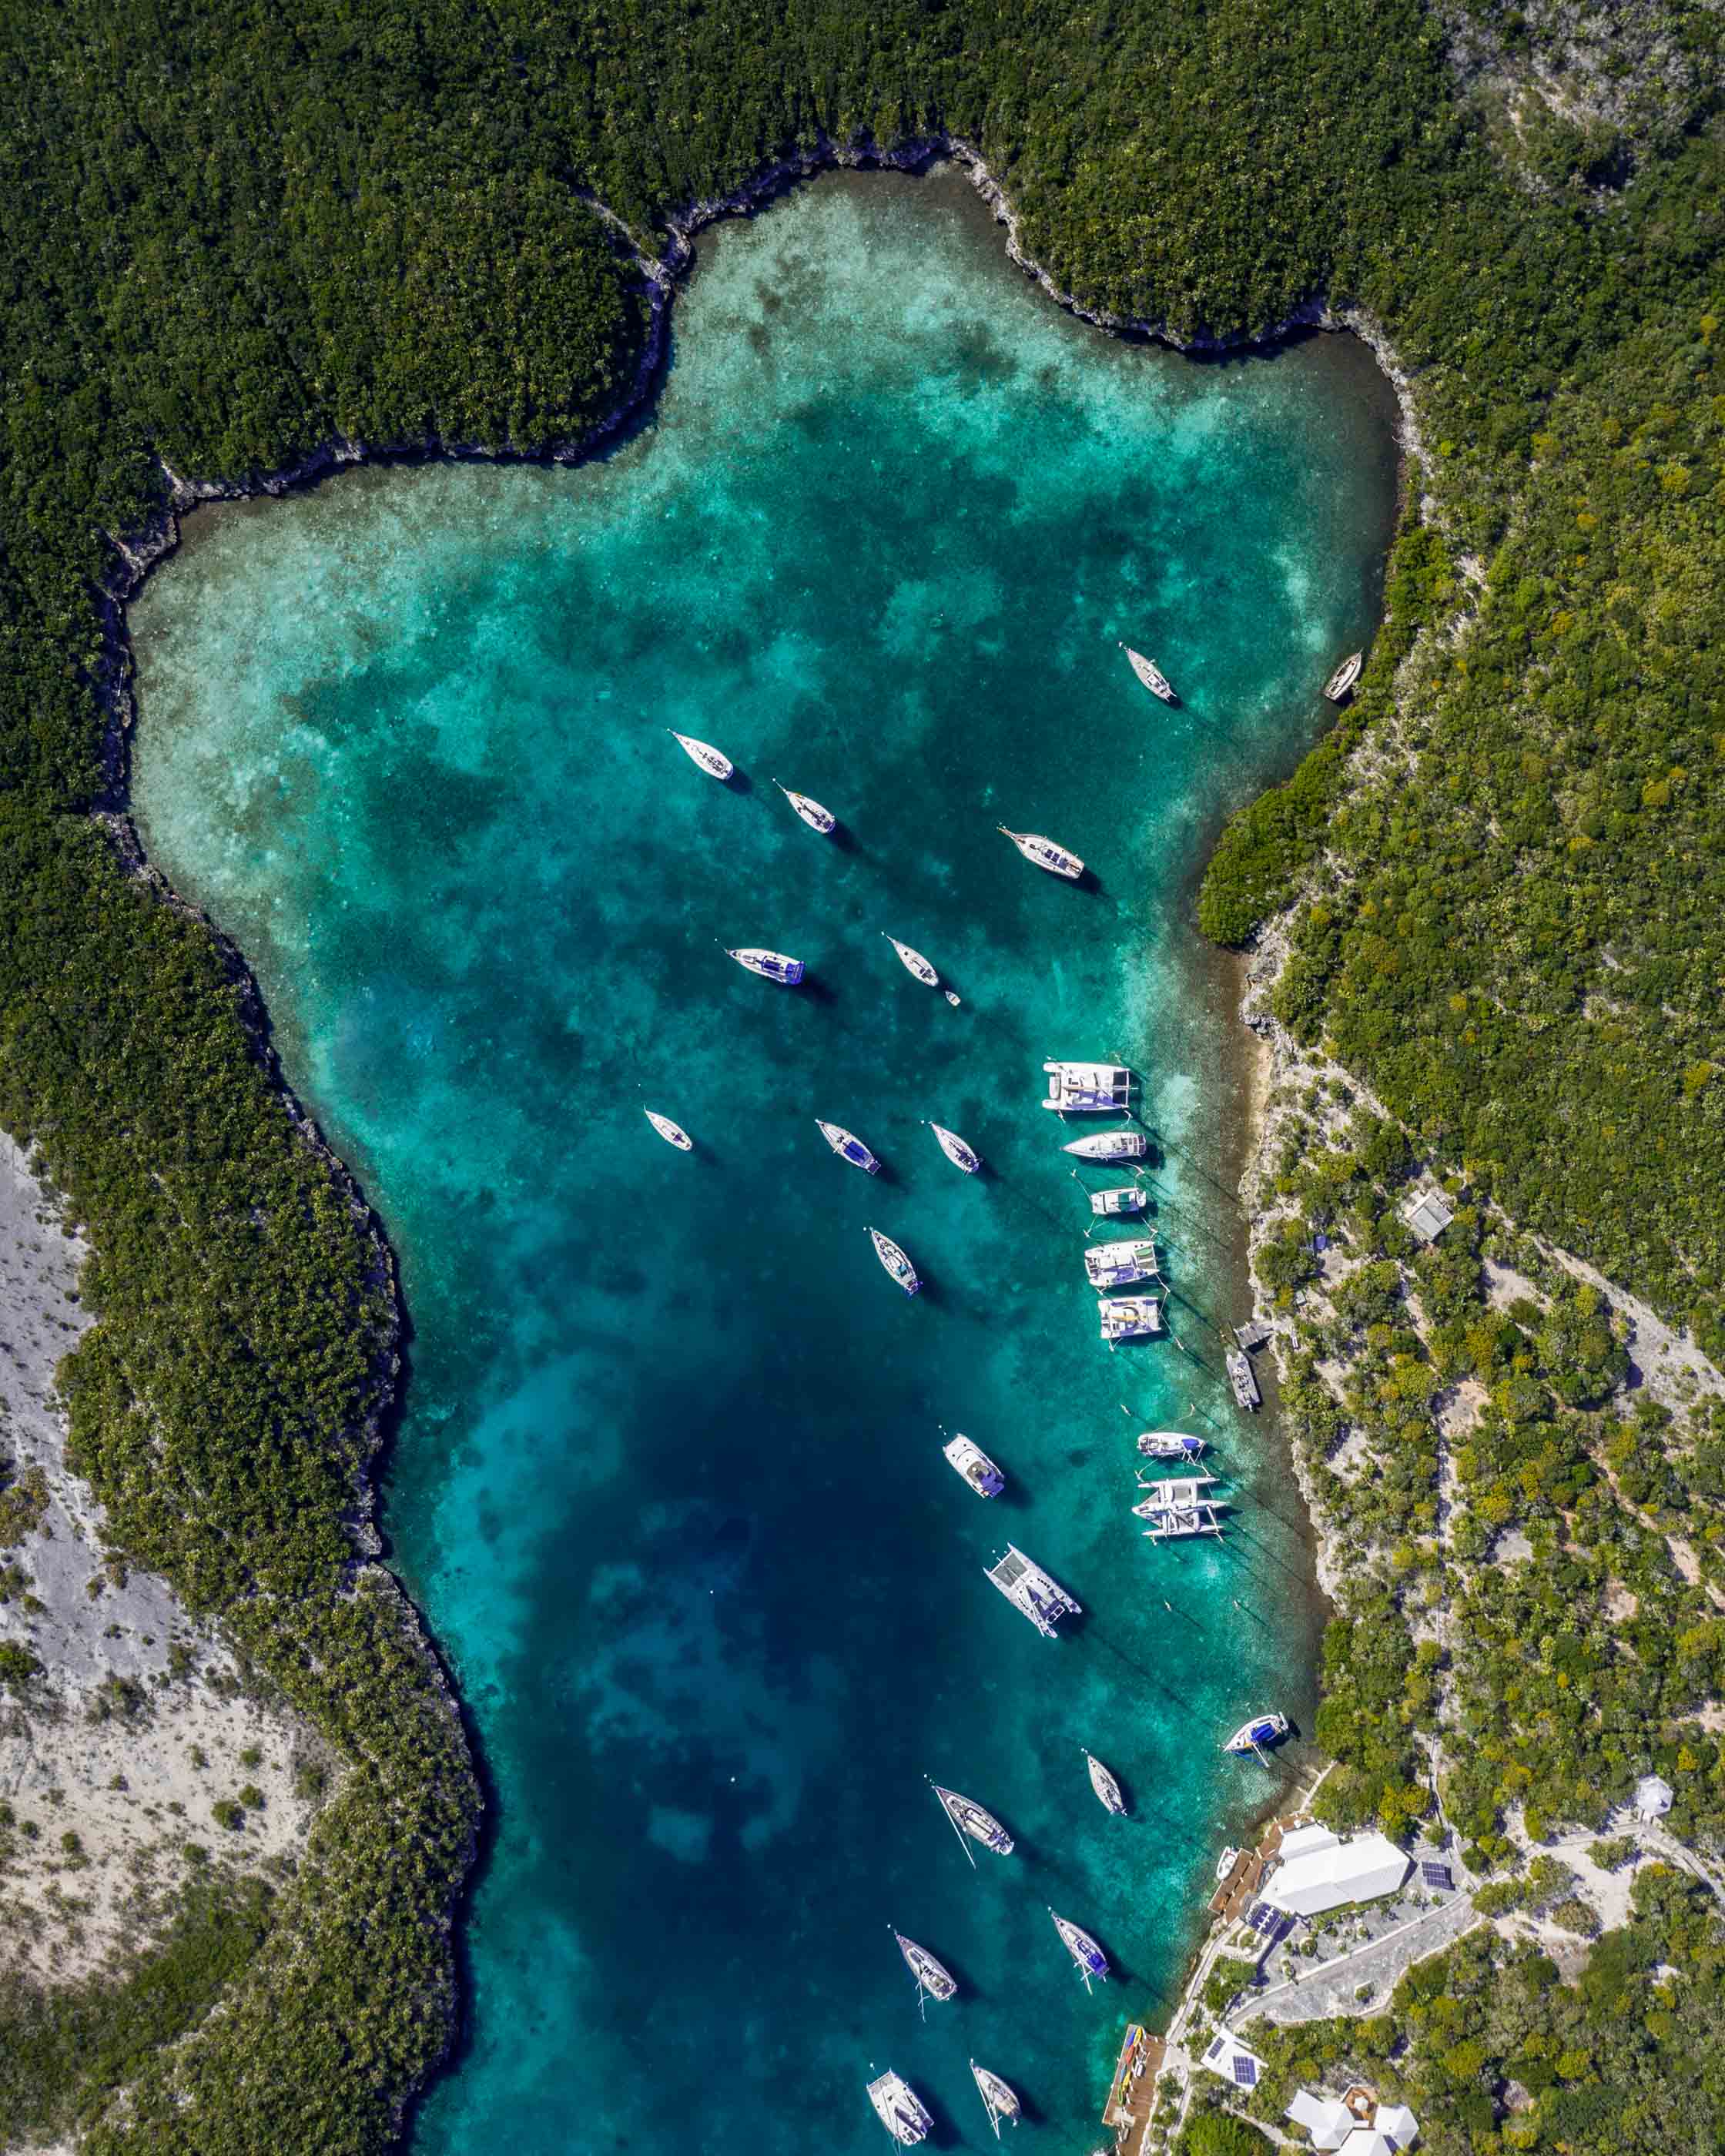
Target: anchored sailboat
{"x": 957, "y": 1151}
{"x": 998, "y": 2097}
{"x": 1089, "y": 1957}
{"x": 1150, "y": 675}
{"x": 914, "y": 962}
{"x": 770, "y": 965}
{"x": 1170, "y": 1444}
{"x": 1106, "y": 1787}
{"x": 896, "y": 1262}
{"x": 1045, "y": 853}
{"x": 1344, "y": 677}
{"x": 1109, "y": 1145}
{"x": 712, "y": 761}
{"x": 813, "y": 814}
{"x": 1254, "y": 1736}
{"x": 672, "y": 1133}
{"x": 974, "y": 1821}
{"x": 848, "y": 1146}
{"x": 934, "y": 1980}
{"x": 900, "y": 2109}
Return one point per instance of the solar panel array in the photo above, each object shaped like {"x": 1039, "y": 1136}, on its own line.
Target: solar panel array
{"x": 1246, "y": 2070}
{"x": 1438, "y": 1874}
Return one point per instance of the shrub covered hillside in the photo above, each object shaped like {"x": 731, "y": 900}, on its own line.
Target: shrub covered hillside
{"x": 232, "y": 233}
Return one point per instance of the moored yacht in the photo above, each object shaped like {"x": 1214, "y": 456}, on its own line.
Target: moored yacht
{"x": 1344, "y": 677}
{"x": 770, "y": 965}
{"x": 1106, "y": 1787}
{"x": 974, "y": 1820}
{"x": 934, "y": 1979}
{"x": 1178, "y": 1508}
{"x": 1091, "y": 1959}
{"x": 1170, "y": 1444}
{"x": 1243, "y": 1378}
{"x": 712, "y": 761}
{"x": 1045, "y": 853}
{"x": 1032, "y": 1591}
{"x": 672, "y": 1133}
{"x": 848, "y": 1146}
{"x": 967, "y": 1459}
{"x": 1118, "y": 1203}
{"x": 1262, "y": 1730}
{"x": 914, "y": 962}
{"x": 957, "y": 1151}
{"x": 1109, "y": 1145}
{"x": 813, "y": 814}
{"x": 1129, "y": 1316}
{"x": 900, "y": 2109}
{"x": 896, "y": 1262}
{"x": 1089, "y": 1089}
{"x": 1116, "y": 1264}
{"x": 997, "y": 2097}
{"x": 1150, "y": 674}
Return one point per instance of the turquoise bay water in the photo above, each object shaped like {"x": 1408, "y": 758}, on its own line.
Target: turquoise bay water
{"x": 669, "y": 1484}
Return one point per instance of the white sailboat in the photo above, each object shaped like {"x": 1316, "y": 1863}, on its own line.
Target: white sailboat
{"x": 934, "y": 1979}
{"x": 813, "y": 814}
{"x": 967, "y": 1458}
{"x": 770, "y": 965}
{"x": 712, "y": 761}
{"x": 672, "y": 1133}
{"x": 1150, "y": 675}
{"x": 914, "y": 962}
{"x": 848, "y": 1146}
{"x": 1170, "y": 1444}
{"x": 1262, "y": 1730}
{"x": 957, "y": 1151}
{"x": 998, "y": 2097}
{"x": 1089, "y": 1957}
{"x": 1109, "y": 1145}
{"x": 897, "y": 1264}
{"x": 972, "y": 1821}
{"x": 1045, "y": 853}
{"x": 900, "y": 2109}
{"x": 1344, "y": 677}
{"x": 1106, "y": 1787}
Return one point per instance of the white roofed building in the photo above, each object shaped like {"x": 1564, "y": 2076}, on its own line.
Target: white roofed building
{"x": 1356, "y": 2125}
{"x": 1320, "y": 1870}
{"x": 1654, "y": 1797}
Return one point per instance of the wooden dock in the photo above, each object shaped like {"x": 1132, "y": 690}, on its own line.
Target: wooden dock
{"x": 1131, "y": 2094}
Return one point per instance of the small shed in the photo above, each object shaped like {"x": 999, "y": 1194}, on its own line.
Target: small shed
{"x": 1654, "y": 1797}
{"x": 1428, "y": 1213}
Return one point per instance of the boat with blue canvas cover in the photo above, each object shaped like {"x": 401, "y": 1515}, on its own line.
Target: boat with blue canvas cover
{"x": 1045, "y": 853}
{"x": 1087, "y": 1956}
{"x": 967, "y": 1458}
{"x": 1171, "y": 1445}
{"x": 957, "y": 1151}
{"x": 1258, "y": 1734}
{"x": 770, "y": 965}
{"x": 848, "y": 1146}
{"x": 1032, "y": 1591}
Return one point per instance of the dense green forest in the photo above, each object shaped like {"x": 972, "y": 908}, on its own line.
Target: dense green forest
{"x": 236, "y": 232}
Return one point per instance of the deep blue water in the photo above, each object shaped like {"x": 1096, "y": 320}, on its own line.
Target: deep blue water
{"x": 669, "y": 1486}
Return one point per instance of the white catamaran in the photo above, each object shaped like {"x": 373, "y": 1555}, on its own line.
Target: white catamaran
{"x": 1262, "y": 1730}
{"x": 1117, "y": 1265}
{"x": 712, "y": 761}
{"x": 1178, "y": 1508}
{"x": 934, "y": 1979}
{"x": 848, "y": 1146}
{"x": 1045, "y": 853}
{"x": 672, "y": 1133}
{"x": 1116, "y": 1205}
{"x": 1032, "y": 1591}
{"x": 957, "y": 1151}
{"x": 770, "y": 965}
{"x": 1106, "y": 1787}
{"x": 1129, "y": 1316}
{"x": 973, "y": 1822}
{"x": 967, "y": 1459}
{"x": 998, "y": 2097}
{"x": 1344, "y": 677}
{"x": 1091, "y": 1959}
{"x": 900, "y": 2109}
{"x": 1089, "y": 1089}
{"x": 1150, "y": 675}
{"x": 896, "y": 1262}
{"x": 813, "y": 814}
{"x": 914, "y": 962}
{"x": 1109, "y": 1145}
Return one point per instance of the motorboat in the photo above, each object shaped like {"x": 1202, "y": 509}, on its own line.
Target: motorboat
{"x": 957, "y": 1151}
{"x": 672, "y": 1133}
{"x": 1243, "y": 1378}
{"x": 1344, "y": 677}
{"x": 1177, "y": 1509}
{"x": 1116, "y": 1205}
{"x": 1129, "y": 1316}
{"x": 967, "y": 1458}
{"x": 848, "y": 1146}
{"x": 1150, "y": 675}
{"x": 1106, "y": 1787}
{"x": 1117, "y": 1265}
{"x": 1256, "y": 1735}
{"x": 813, "y": 814}
{"x": 914, "y": 962}
{"x": 974, "y": 1821}
{"x": 1045, "y": 853}
{"x": 712, "y": 761}
{"x": 1089, "y": 1089}
{"x": 1032, "y": 1591}
{"x": 770, "y": 965}
{"x": 998, "y": 2097}
{"x": 1090, "y": 1960}
{"x": 1170, "y": 1444}
{"x": 1109, "y": 1145}
{"x": 896, "y": 1262}
{"x": 934, "y": 1979}
{"x": 900, "y": 2109}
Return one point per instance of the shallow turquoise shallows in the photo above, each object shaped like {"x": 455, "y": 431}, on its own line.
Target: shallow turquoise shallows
{"x": 668, "y": 1485}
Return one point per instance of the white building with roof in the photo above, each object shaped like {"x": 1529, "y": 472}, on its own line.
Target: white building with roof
{"x": 1320, "y": 1870}
{"x": 1226, "y": 2055}
{"x": 1357, "y": 2125}
{"x": 1654, "y": 1797}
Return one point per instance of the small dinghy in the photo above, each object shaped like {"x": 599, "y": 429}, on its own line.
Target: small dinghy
{"x": 848, "y": 1146}
{"x": 1344, "y": 677}
{"x": 712, "y": 761}
{"x": 1150, "y": 675}
{"x": 900, "y": 2109}
{"x": 967, "y": 1458}
{"x": 1091, "y": 1959}
{"x": 998, "y": 2098}
{"x": 813, "y": 814}
{"x": 1129, "y": 1316}
{"x": 896, "y": 1262}
{"x": 1109, "y": 1145}
{"x": 914, "y": 962}
{"x": 672, "y": 1133}
{"x": 934, "y": 1980}
{"x": 956, "y": 1150}
{"x": 974, "y": 1821}
{"x": 1262, "y": 1731}
{"x": 770, "y": 965}
{"x": 1045, "y": 853}
{"x": 1170, "y": 1444}
{"x": 1106, "y": 1787}
{"x": 1116, "y": 1205}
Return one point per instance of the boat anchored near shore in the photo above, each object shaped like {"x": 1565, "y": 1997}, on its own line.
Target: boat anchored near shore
{"x": 967, "y": 1458}
{"x": 813, "y": 814}
{"x": 1086, "y": 1954}
{"x": 957, "y": 1151}
{"x": 770, "y": 965}
{"x": 1170, "y": 1444}
{"x": 1116, "y": 1264}
{"x": 1344, "y": 677}
{"x": 1129, "y": 1316}
{"x": 1116, "y": 1205}
{"x": 900, "y": 2109}
{"x": 848, "y": 1146}
{"x": 712, "y": 761}
{"x": 1109, "y": 1145}
{"x": 1045, "y": 853}
{"x": 897, "y": 1264}
{"x": 673, "y": 1134}
{"x": 1150, "y": 675}
{"x": 973, "y": 1822}
{"x": 998, "y": 2097}
{"x": 1244, "y": 1380}
{"x": 1177, "y": 1508}
{"x": 1262, "y": 1731}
